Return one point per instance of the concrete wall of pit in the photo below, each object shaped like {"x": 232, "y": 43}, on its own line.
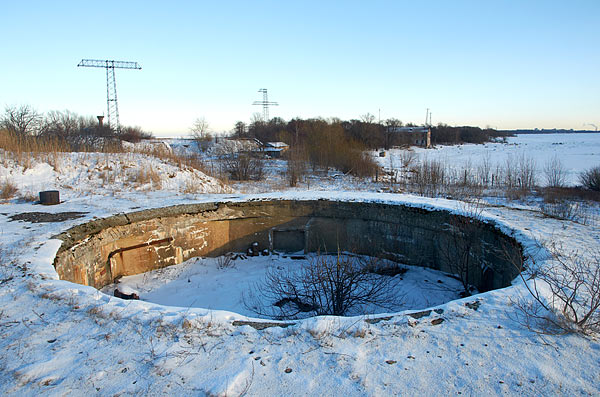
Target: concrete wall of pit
{"x": 98, "y": 252}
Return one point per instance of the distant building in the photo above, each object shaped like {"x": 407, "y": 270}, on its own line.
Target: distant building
{"x": 250, "y": 146}
{"x": 274, "y": 149}
{"x": 414, "y": 136}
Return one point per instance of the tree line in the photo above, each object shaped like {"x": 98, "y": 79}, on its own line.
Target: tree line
{"x": 364, "y": 131}
{"x": 68, "y": 127}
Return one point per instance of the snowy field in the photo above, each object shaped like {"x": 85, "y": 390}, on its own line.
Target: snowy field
{"x": 58, "y": 338}
{"x": 577, "y": 152}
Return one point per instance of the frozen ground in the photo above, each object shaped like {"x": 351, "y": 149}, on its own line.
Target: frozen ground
{"x": 57, "y": 338}
{"x": 106, "y": 174}
{"x": 202, "y": 283}
{"x": 577, "y": 152}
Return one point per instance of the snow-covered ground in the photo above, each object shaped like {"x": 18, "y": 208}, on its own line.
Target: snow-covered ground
{"x": 576, "y": 152}
{"x": 58, "y": 338}
{"x": 106, "y": 174}
{"x": 204, "y": 283}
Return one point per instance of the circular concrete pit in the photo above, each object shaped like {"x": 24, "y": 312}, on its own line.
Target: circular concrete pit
{"x": 98, "y": 252}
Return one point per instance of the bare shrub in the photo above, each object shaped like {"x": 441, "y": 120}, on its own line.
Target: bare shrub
{"x": 526, "y": 170}
{"x": 244, "y": 167}
{"x": 407, "y": 158}
{"x": 566, "y": 291}
{"x": 191, "y": 186}
{"x": 484, "y": 170}
{"x": 516, "y": 193}
{"x": 363, "y": 165}
{"x": 225, "y": 261}
{"x": 8, "y": 190}
{"x": 29, "y": 197}
{"x": 382, "y": 268}
{"x": 108, "y": 176}
{"x": 555, "y": 172}
{"x": 134, "y": 134}
{"x": 553, "y": 195}
{"x": 509, "y": 173}
{"x": 465, "y": 176}
{"x": 518, "y": 176}
{"x": 392, "y": 172}
{"x": 142, "y": 176}
{"x": 464, "y": 192}
{"x": 327, "y": 285}
{"x": 566, "y": 210}
{"x": 429, "y": 177}
{"x": 296, "y": 165}
{"x": 590, "y": 179}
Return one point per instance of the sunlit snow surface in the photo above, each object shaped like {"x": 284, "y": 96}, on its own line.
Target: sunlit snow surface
{"x": 577, "y": 152}
{"x": 58, "y": 338}
{"x": 200, "y": 282}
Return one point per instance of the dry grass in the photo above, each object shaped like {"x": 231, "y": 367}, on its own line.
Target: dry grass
{"x": 144, "y": 176}
{"x": 26, "y": 151}
{"x": 29, "y": 197}
{"x": 180, "y": 161}
{"x": 20, "y": 144}
{"x": 570, "y": 203}
{"x": 192, "y": 186}
{"x": 558, "y": 194}
{"x": 8, "y": 190}
{"x": 566, "y": 210}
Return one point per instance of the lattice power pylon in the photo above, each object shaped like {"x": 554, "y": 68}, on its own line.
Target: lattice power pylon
{"x": 111, "y": 85}
{"x": 265, "y": 104}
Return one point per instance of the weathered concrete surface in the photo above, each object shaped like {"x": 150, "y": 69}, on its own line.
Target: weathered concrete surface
{"x": 97, "y": 252}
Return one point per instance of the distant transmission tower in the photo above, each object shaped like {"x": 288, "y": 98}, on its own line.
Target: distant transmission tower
{"x": 265, "y": 104}
{"x": 111, "y": 85}
{"x": 428, "y": 118}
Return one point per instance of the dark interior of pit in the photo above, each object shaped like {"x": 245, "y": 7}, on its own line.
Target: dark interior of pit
{"x": 98, "y": 252}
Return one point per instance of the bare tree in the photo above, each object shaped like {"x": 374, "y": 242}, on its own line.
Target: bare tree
{"x": 22, "y": 120}
{"x": 327, "y": 285}
{"x": 296, "y": 164}
{"x": 555, "y": 172}
{"x": 244, "y": 167}
{"x": 60, "y": 124}
{"x": 200, "y": 130}
{"x": 367, "y": 118}
{"x": 240, "y": 129}
{"x": 570, "y": 301}
{"x": 390, "y": 130}
{"x": 257, "y": 118}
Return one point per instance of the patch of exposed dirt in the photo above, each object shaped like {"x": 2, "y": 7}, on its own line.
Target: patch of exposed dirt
{"x": 46, "y": 217}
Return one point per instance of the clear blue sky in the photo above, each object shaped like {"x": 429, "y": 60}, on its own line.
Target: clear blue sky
{"x": 506, "y": 64}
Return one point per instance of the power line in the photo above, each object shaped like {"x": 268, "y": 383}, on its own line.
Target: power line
{"x": 265, "y": 104}
{"x": 111, "y": 85}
